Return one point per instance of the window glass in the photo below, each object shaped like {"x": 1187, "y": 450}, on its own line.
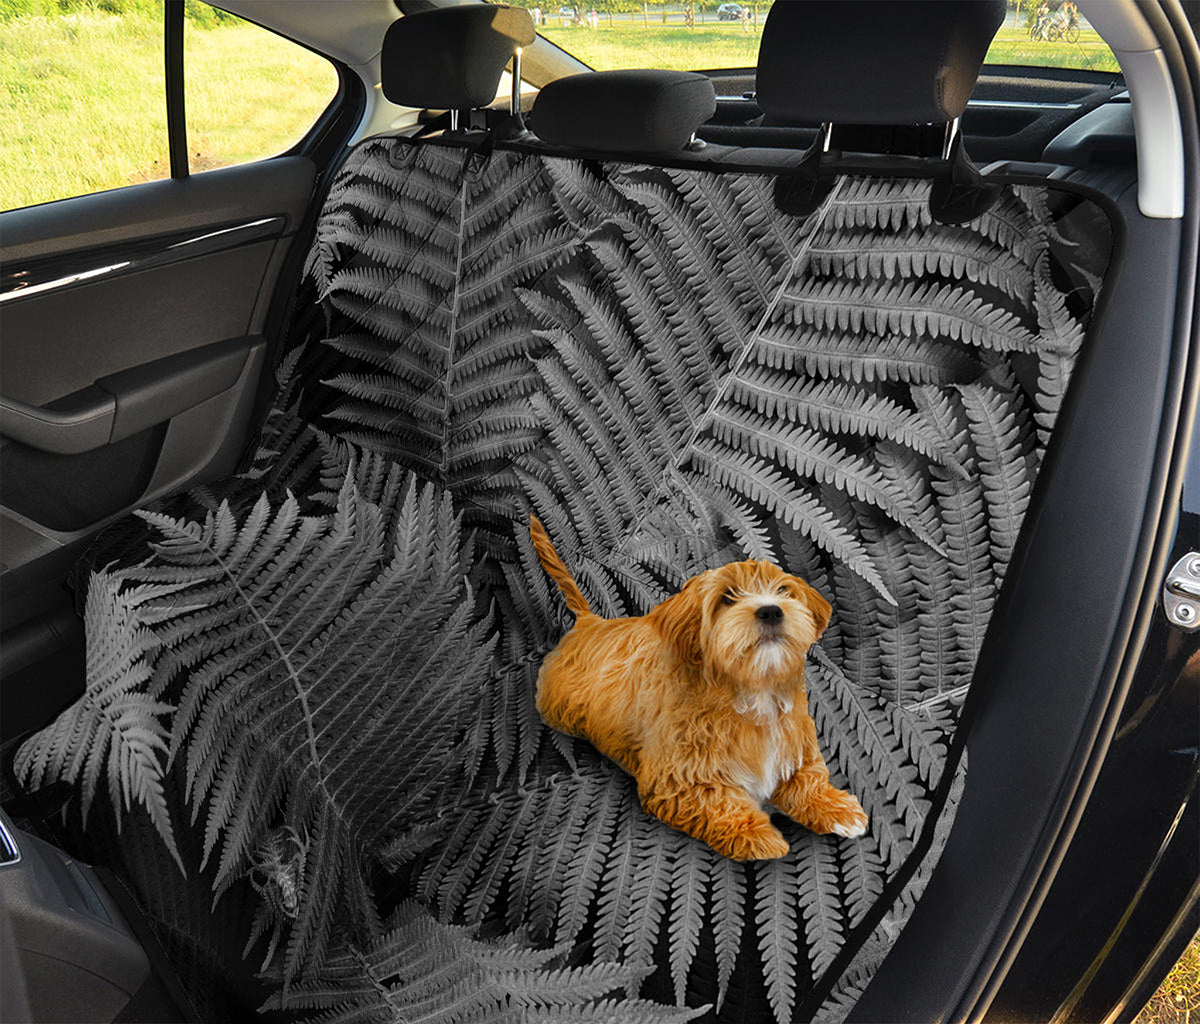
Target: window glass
{"x": 248, "y": 93}
{"x": 683, "y": 37}
{"x": 82, "y": 107}
{"x": 705, "y": 36}
{"x": 1050, "y": 33}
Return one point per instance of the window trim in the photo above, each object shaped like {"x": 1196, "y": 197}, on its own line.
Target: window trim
{"x": 173, "y": 18}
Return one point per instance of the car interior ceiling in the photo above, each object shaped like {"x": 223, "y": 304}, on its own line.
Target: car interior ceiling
{"x": 863, "y": 353}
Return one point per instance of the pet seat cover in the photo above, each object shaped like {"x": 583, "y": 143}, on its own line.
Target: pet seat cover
{"x": 863, "y": 396}
{"x": 651, "y": 111}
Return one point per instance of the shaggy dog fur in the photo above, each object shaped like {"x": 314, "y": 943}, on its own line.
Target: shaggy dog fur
{"x": 703, "y": 702}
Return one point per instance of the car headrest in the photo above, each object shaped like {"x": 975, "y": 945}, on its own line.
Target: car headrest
{"x": 649, "y": 111}
{"x": 881, "y": 62}
{"x": 451, "y": 58}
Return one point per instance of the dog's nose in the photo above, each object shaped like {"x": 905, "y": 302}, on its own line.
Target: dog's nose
{"x": 769, "y": 613}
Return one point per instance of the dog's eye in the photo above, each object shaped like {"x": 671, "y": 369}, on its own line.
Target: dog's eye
{"x": 728, "y": 597}
{"x": 781, "y": 589}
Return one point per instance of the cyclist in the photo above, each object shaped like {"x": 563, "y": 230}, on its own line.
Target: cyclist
{"x": 1069, "y": 13}
{"x": 1043, "y": 16}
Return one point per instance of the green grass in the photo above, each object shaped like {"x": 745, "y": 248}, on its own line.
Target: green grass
{"x": 1013, "y": 46}
{"x": 630, "y": 44}
{"x": 82, "y": 106}
{"x": 1177, "y": 1000}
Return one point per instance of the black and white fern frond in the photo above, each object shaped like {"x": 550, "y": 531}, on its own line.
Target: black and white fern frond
{"x": 319, "y": 678}
{"x": 419, "y": 969}
{"x": 115, "y": 738}
{"x": 418, "y": 256}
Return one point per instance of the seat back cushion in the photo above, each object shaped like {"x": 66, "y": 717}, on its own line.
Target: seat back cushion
{"x": 332, "y": 658}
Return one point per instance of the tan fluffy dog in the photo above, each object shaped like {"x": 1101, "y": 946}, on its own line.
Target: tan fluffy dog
{"x": 703, "y": 702}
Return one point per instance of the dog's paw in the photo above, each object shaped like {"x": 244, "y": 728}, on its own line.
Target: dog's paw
{"x": 849, "y": 820}
{"x": 851, "y": 831}
{"x": 764, "y": 842}
{"x": 835, "y": 812}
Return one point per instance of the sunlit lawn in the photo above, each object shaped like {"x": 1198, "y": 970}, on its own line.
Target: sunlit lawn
{"x": 1013, "y": 46}
{"x": 82, "y": 106}
{"x": 630, "y": 44}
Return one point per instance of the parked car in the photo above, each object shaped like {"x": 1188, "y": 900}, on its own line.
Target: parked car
{"x": 921, "y": 332}
{"x": 730, "y": 12}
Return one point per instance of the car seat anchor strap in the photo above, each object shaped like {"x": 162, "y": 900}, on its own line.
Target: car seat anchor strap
{"x": 477, "y": 155}
{"x": 959, "y": 193}
{"x": 803, "y": 189}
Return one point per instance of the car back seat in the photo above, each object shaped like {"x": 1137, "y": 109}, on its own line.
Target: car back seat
{"x": 628, "y": 337}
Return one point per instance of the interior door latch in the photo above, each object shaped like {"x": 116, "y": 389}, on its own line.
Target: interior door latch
{"x": 1181, "y": 593}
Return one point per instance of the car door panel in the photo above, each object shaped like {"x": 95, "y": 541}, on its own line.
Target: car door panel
{"x": 131, "y": 352}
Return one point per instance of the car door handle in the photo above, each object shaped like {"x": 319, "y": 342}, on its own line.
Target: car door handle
{"x": 122, "y": 404}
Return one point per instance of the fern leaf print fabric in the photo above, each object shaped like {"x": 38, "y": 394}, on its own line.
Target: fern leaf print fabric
{"x": 311, "y": 687}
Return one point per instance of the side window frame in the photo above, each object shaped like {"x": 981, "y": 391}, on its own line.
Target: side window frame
{"x": 173, "y": 19}
{"x": 174, "y": 73}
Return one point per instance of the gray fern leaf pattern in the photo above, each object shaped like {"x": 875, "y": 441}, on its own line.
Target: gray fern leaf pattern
{"x": 417, "y": 257}
{"x": 421, "y": 969}
{"x": 335, "y": 667}
{"x": 309, "y": 641}
{"x": 117, "y": 734}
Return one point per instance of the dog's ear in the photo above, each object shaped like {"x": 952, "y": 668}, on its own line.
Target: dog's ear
{"x": 678, "y": 619}
{"x": 818, "y": 607}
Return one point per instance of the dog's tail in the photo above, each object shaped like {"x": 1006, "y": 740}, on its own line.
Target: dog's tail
{"x": 556, "y": 568}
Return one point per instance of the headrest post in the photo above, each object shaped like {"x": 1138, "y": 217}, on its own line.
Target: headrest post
{"x": 514, "y": 106}
{"x": 454, "y": 119}
{"x": 826, "y": 135}
{"x": 952, "y": 129}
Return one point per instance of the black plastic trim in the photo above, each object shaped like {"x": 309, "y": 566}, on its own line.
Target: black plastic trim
{"x": 79, "y": 422}
{"x": 173, "y": 12}
{"x": 119, "y": 405}
{"x": 40, "y": 276}
{"x": 124, "y": 218}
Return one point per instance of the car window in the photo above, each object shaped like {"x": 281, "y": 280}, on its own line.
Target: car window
{"x": 84, "y": 94}
{"x": 1050, "y": 33}
{"x": 709, "y": 36}
{"x": 83, "y": 99}
{"x": 248, "y": 92}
